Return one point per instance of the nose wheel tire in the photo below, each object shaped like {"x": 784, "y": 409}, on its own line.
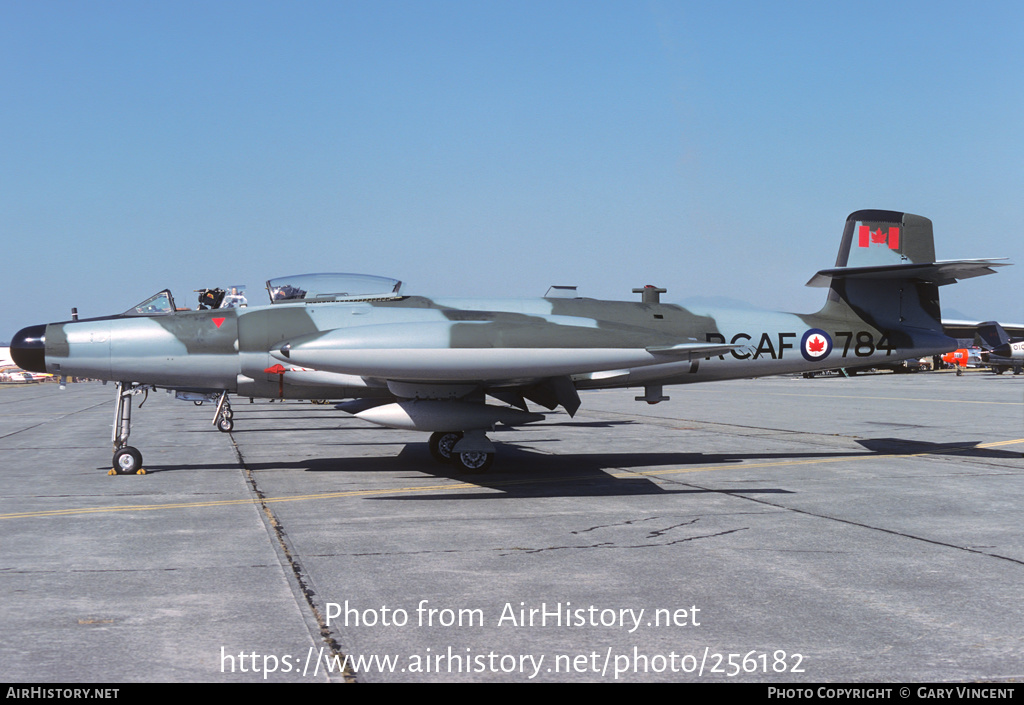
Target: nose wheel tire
{"x": 225, "y": 424}
{"x": 127, "y": 461}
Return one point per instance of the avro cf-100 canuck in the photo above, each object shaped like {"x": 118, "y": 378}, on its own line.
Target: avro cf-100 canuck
{"x": 411, "y": 362}
{"x": 999, "y": 352}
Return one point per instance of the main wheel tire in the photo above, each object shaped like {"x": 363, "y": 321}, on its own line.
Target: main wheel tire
{"x": 475, "y": 461}
{"x": 441, "y": 444}
{"x": 127, "y": 461}
{"x": 225, "y": 424}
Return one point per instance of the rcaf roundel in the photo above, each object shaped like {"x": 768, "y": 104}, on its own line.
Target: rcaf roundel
{"x": 815, "y": 345}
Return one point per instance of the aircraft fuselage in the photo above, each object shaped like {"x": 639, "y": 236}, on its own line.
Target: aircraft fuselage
{"x": 348, "y": 348}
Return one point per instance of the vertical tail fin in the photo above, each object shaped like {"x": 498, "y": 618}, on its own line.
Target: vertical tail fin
{"x": 879, "y": 238}
{"x": 991, "y": 335}
{"x": 996, "y": 343}
{"x": 875, "y": 272}
{"x": 886, "y": 272}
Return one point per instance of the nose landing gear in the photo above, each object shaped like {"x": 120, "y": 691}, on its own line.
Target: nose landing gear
{"x": 127, "y": 460}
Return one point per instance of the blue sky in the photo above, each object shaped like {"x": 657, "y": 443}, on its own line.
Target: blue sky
{"x": 499, "y": 147}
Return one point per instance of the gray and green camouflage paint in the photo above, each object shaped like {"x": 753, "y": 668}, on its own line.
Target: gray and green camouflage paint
{"x": 318, "y": 341}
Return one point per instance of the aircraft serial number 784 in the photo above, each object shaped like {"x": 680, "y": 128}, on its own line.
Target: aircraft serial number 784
{"x": 412, "y": 362}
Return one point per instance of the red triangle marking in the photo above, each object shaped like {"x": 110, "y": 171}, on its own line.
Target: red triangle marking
{"x": 218, "y": 321}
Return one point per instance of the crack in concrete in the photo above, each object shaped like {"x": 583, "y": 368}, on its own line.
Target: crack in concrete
{"x": 301, "y": 579}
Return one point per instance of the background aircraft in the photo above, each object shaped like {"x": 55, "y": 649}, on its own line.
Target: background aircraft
{"x": 429, "y": 364}
{"x": 962, "y": 358}
{"x": 998, "y": 350}
{"x": 12, "y": 374}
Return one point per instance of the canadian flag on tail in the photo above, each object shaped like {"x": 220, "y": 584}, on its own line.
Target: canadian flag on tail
{"x": 868, "y": 237}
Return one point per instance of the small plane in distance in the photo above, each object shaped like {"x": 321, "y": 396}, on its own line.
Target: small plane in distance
{"x": 12, "y": 374}
{"x": 962, "y": 358}
{"x": 998, "y": 351}
{"x": 429, "y": 364}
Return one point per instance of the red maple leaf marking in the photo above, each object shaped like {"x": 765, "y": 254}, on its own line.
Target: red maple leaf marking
{"x": 867, "y": 237}
{"x": 815, "y": 344}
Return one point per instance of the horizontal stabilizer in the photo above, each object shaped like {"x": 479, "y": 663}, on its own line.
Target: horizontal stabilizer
{"x": 944, "y": 272}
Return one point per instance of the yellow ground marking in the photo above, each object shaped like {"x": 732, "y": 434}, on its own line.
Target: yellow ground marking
{"x": 229, "y": 502}
{"x": 491, "y": 485}
{"x": 815, "y": 461}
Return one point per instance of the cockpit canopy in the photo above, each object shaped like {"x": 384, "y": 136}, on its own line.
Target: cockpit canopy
{"x": 156, "y": 305}
{"x": 300, "y": 287}
{"x": 332, "y": 287}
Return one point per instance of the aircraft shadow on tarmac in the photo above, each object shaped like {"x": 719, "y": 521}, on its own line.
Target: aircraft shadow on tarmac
{"x": 522, "y": 472}
{"x": 525, "y": 473}
{"x": 904, "y": 446}
{"x": 554, "y": 423}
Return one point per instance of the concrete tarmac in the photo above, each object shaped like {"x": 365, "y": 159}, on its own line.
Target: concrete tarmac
{"x": 780, "y": 530}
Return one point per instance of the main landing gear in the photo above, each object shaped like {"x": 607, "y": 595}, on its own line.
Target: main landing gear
{"x": 470, "y": 451}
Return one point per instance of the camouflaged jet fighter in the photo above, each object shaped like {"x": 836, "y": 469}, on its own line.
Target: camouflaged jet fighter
{"x": 411, "y": 362}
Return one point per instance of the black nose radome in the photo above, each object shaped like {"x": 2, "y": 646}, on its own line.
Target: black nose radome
{"x": 28, "y": 348}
